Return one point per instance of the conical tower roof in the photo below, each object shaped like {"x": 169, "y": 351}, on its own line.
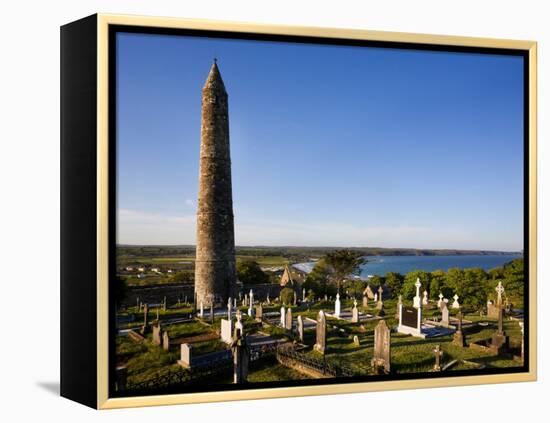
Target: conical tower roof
{"x": 214, "y": 80}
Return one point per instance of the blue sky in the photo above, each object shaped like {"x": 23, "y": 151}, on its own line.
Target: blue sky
{"x": 338, "y": 146}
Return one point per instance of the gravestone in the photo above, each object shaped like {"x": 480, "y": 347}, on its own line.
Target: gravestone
{"x": 268, "y": 300}
{"x": 456, "y": 304}
{"x": 355, "y": 313}
{"x": 417, "y": 303}
{"x": 158, "y": 316}
{"x": 164, "y": 304}
{"x": 283, "y": 317}
{"x": 251, "y": 304}
{"x": 304, "y": 295}
{"x": 300, "y": 328}
{"x": 145, "y": 315}
{"x": 440, "y": 301}
{"x": 365, "y": 301}
{"x": 201, "y": 310}
{"x": 500, "y": 290}
{"x": 186, "y": 355}
{"x": 288, "y": 321}
{"x": 239, "y": 349}
{"x": 165, "y": 341}
{"x": 157, "y": 333}
{"x": 444, "y": 315}
{"x": 380, "y": 303}
{"x": 356, "y": 341}
{"x": 399, "y": 304}
{"x": 458, "y": 337}
{"x": 438, "y": 354}
{"x": 492, "y": 310}
{"x": 425, "y": 298}
{"x": 227, "y": 331}
{"x": 259, "y": 312}
{"x": 295, "y": 298}
{"x": 229, "y": 309}
{"x": 337, "y": 306}
{"x": 239, "y": 327}
{"x": 381, "y": 361}
{"x": 212, "y": 312}
{"x": 321, "y": 333}
{"x": 410, "y": 321}
{"x": 499, "y": 340}
{"x": 375, "y": 298}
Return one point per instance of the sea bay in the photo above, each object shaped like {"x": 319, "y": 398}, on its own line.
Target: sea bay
{"x": 380, "y": 265}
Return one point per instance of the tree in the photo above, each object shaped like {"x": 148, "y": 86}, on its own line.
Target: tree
{"x": 394, "y": 281}
{"x": 249, "y": 272}
{"x": 513, "y": 280}
{"x": 437, "y": 283}
{"x": 318, "y": 278}
{"x": 343, "y": 263}
{"x": 183, "y": 277}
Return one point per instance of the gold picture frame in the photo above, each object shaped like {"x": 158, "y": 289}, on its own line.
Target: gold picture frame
{"x": 102, "y": 23}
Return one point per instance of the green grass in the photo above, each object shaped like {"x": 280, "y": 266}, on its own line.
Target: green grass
{"x": 409, "y": 354}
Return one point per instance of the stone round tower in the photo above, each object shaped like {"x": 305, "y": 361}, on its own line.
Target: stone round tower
{"x": 215, "y": 278}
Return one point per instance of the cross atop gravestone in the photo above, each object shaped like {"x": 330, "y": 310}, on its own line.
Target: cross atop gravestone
{"x": 500, "y": 290}
{"x": 380, "y": 292}
{"x": 440, "y": 300}
{"x": 425, "y": 298}
{"x": 438, "y": 353}
{"x": 456, "y": 304}
{"x": 416, "y": 299}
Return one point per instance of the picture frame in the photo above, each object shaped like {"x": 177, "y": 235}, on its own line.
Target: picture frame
{"x": 89, "y": 212}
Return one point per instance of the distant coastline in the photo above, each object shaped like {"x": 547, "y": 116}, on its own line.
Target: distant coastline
{"x": 320, "y": 251}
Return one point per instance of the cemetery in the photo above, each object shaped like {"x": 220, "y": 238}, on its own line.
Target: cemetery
{"x": 254, "y": 340}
